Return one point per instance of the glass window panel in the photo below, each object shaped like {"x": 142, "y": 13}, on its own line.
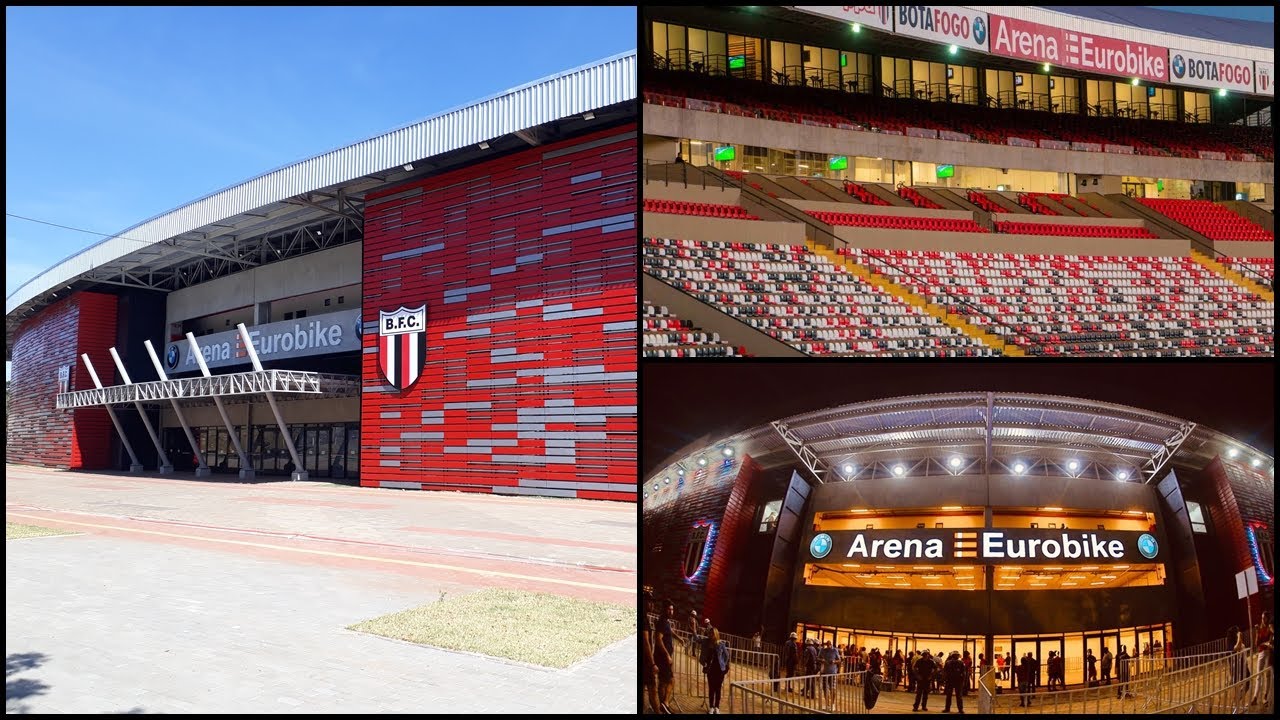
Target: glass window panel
{"x": 660, "y": 38}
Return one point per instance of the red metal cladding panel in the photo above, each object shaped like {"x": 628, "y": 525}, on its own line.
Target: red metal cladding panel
{"x": 527, "y": 267}
{"x": 37, "y": 433}
{"x": 92, "y": 431}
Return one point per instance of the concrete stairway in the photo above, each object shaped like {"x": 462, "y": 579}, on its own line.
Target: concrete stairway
{"x": 1251, "y": 285}
{"x": 885, "y": 285}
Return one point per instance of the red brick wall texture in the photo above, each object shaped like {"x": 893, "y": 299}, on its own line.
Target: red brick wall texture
{"x": 526, "y": 265}
{"x": 38, "y": 434}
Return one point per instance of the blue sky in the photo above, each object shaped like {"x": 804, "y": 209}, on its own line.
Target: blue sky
{"x": 117, "y": 114}
{"x": 1240, "y": 12}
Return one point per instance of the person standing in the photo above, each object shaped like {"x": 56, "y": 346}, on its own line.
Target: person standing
{"x": 717, "y": 668}
{"x": 937, "y": 675}
{"x": 1106, "y": 664}
{"x": 968, "y": 671}
{"x": 925, "y": 668}
{"x": 790, "y": 659}
{"x": 1008, "y": 668}
{"x": 810, "y": 668}
{"x": 910, "y": 668}
{"x": 1026, "y": 679}
{"x": 830, "y": 659}
{"x": 953, "y": 672}
{"x": 664, "y": 651}
{"x": 898, "y": 662}
{"x": 648, "y": 665}
{"x": 1122, "y": 673}
{"x": 695, "y": 636}
{"x": 999, "y": 667}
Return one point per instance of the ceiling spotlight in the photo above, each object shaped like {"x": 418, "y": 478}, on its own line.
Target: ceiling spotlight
{"x": 1046, "y": 67}
{"x": 1232, "y": 452}
{"x": 848, "y": 468}
{"x": 899, "y": 470}
{"x": 655, "y": 487}
{"x": 702, "y": 462}
{"x": 1122, "y": 475}
{"x": 484, "y": 145}
{"x": 1073, "y": 465}
{"x": 728, "y": 452}
{"x": 668, "y": 479}
{"x": 1222, "y": 92}
{"x": 408, "y": 167}
{"x": 956, "y": 461}
{"x": 1019, "y": 467}
{"x": 953, "y": 49}
{"x": 1256, "y": 462}
{"x": 1134, "y": 82}
{"x": 680, "y": 472}
{"x": 857, "y": 27}
{"x": 588, "y": 115}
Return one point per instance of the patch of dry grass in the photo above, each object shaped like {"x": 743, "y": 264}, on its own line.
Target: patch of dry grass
{"x": 18, "y": 531}
{"x": 529, "y": 627}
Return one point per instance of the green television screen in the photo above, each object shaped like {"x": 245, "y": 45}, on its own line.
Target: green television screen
{"x": 737, "y": 62}
{"x": 946, "y": 171}
{"x": 838, "y": 162}
{"x": 725, "y": 153}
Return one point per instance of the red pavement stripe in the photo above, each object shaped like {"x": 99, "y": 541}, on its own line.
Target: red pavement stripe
{"x": 560, "y": 579}
{"x": 524, "y": 538}
{"x": 317, "y": 503}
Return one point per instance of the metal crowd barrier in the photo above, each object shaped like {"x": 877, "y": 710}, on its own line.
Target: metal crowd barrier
{"x": 839, "y": 694}
{"x": 1152, "y": 692}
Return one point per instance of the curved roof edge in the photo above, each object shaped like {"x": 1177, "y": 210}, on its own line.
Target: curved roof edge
{"x": 572, "y": 92}
{"x": 765, "y": 433}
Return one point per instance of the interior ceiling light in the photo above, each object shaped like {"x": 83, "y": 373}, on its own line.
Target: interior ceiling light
{"x": 848, "y": 469}
{"x": 702, "y": 461}
{"x": 899, "y": 470}
{"x": 1232, "y": 452}
{"x": 1256, "y": 462}
{"x": 1019, "y": 468}
{"x": 1073, "y": 465}
{"x": 728, "y": 452}
{"x": 956, "y": 461}
{"x": 484, "y": 145}
{"x": 1122, "y": 475}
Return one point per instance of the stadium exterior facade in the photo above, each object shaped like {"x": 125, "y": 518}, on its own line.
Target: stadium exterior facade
{"x": 500, "y": 236}
{"x": 946, "y": 520}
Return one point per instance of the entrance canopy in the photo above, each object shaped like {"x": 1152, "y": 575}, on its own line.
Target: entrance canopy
{"x": 234, "y": 387}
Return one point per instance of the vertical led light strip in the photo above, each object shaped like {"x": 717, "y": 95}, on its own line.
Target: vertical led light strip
{"x": 707, "y": 545}
{"x": 1263, "y": 577}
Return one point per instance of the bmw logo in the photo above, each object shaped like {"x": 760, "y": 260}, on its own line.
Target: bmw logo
{"x": 979, "y": 31}
{"x": 820, "y": 545}
{"x": 171, "y": 357}
{"x": 1179, "y": 66}
{"x": 359, "y": 326}
{"x": 1147, "y": 546}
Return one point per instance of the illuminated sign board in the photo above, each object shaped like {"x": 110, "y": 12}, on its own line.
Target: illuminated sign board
{"x": 986, "y": 546}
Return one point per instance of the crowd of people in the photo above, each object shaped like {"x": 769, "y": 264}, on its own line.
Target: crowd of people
{"x": 817, "y": 666}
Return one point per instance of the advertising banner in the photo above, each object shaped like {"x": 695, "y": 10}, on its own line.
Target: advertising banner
{"x": 705, "y": 105}
{"x": 948, "y": 24}
{"x": 1119, "y": 149}
{"x": 1055, "y": 144}
{"x": 319, "y": 335}
{"x": 875, "y": 16}
{"x": 1210, "y": 71}
{"x": 1086, "y": 146}
{"x": 957, "y": 136}
{"x": 1079, "y": 51}
{"x": 977, "y": 546}
{"x": 1264, "y": 78}
{"x": 922, "y": 132}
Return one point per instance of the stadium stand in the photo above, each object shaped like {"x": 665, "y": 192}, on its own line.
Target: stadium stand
{"x": 664, "y": 335}
{"x": 897, "y": 222}
{"x": 678, "y": 207}
{"x": 1209, "y": 219}
{"x": 1087, "y": 306}
{"x": 805, "y": 300}
{"x": 1264, "y": 268}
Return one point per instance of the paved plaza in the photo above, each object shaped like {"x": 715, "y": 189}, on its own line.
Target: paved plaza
{"x": 186, "y": 596}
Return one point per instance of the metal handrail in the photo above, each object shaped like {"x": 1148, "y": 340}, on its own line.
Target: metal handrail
{"x": 835, "y": 693}
{"x": 1145, "y": 694}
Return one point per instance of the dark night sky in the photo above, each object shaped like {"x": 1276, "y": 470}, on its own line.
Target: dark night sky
{"x": 685, "y": 400}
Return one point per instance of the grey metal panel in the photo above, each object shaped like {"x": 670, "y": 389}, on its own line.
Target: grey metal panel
{"x": 573, "y": 92}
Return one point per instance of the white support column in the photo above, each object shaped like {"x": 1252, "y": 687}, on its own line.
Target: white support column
{"x": 246, "y": 468}
{"x": 299, "y": 470}
{"x": 134, "y": 465}
{"x": 166, "y": 467}
{"x": 202, "y": 468}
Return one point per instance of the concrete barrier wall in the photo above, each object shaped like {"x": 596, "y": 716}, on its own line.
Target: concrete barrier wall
{"x": 1009, "y": 243}
{"x": 658, "y": 190}
{"x": 887, "y": 210}
{"x": 1246, "y": 249}
{"x": 689, "y": 227}
{"x": 678, "y": 122}
{"x": 702, "y": 315}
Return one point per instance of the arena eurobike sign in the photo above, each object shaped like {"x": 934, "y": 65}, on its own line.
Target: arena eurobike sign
{"x": 319, "y": 335}
{"x": 986, "y": 546}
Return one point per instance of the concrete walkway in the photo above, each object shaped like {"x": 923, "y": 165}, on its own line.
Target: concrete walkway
{"x": 186, "y": 596}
